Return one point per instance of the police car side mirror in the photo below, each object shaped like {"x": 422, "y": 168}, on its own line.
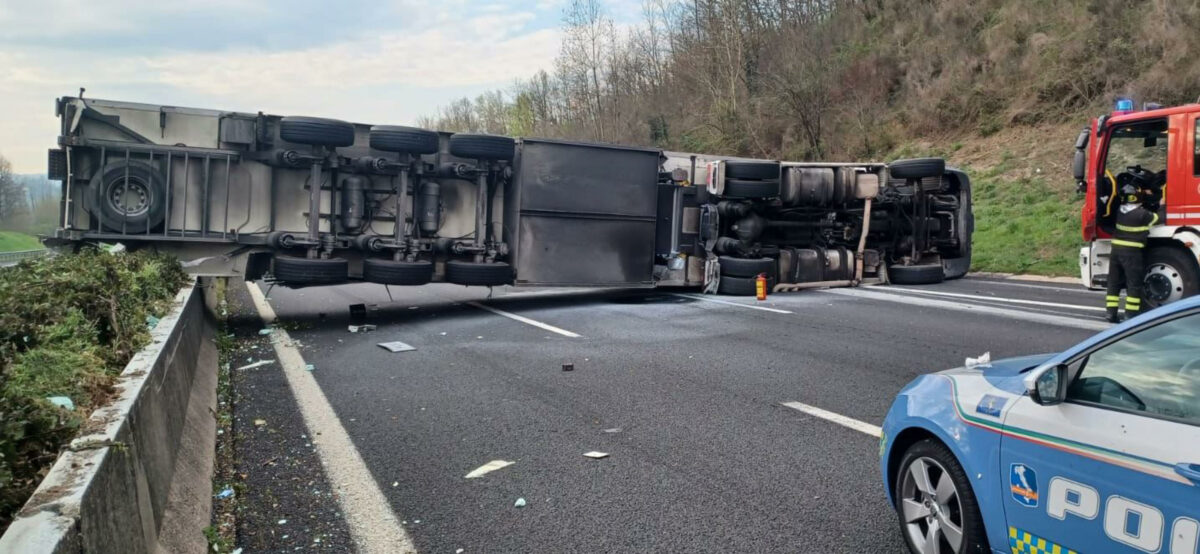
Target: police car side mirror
{"x": 1050, "y": 386}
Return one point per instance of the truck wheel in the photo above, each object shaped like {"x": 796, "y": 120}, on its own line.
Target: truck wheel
{"x": 316, "y": 131}
{"x": 917, "y": 168}
{"x": 482, "y": 147}
{"x": 937, "y": 509}
{"x": 768, "y": 171}
{"x": 410, "y": 140}
{"x": 747, "y": 267}
{"x": 744, "y": 188}
{"x": 479, "y": 274}
{"x": 392, "y": 272}
{"x": 1171, "y": 274}
{"x": 310, "y": 271}
{"x": 135, "y": 205}
{"x": 927, "y": 274}
{"x": 741, "y": 286}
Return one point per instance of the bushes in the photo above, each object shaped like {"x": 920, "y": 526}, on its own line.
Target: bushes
{"x": 68, "y": 324}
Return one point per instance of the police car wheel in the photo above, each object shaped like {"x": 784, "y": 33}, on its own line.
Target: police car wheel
{"x": 937, "y": 509}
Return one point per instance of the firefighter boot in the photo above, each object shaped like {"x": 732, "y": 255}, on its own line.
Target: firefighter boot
{"x": 1112, "y": 302}
{"x": 1112, "y": 316}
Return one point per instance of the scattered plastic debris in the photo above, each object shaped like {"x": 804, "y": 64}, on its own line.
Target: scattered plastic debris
{"x": 227, "y": 492}
{"x": 266, "y": 331}
{"x": 282, "y": 521}
{"x": 983, "y": 361}
{"x": 260, "y": 422}
{"x": 396, "y": 346}
{"x": 237, "y": 550}
{"x": 596, "y": 455}
{"x": 361, "y": 328}
{"x": 259, "y": 363}
{"x": 308, "y": 367}
{"x": 479, "y": 337}
{"x": 520, "y": 503}
{"x": 568, "y": 367}
{"x": 488, "y": 468}
{"x": 443, "y": 333}
{"x": 62, "y": 402}
{"x": 395, "y": 483}
{"x": 151, "y": 321}
{"x": 613, "y": 430}
{"x": 459, "y": 551}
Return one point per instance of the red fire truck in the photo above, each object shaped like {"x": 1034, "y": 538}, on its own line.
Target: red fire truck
{"x": 1157, "y": 150}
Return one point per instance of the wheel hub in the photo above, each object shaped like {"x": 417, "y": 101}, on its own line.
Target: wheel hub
{"x": 1163, "y": 283}
{"x": 130, "y": 198}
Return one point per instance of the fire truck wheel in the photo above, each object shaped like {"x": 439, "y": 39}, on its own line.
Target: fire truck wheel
{"x": 926, "y": 274}
{"x": 129, "y": 197}
{"x": 410, "y": 140}
{"x": 1171, "y": 274}
{"x": 745, "y": 188}
{"x": 310, "y": 271}
{"x": 482, "y": 147}
{"x": 741, "y": 286}
{"x": 747, "y": 267}
{"x": 917, "y": 168}
{"x": 479, "y": 274}
{"x": 316, "y": 131}
{"x": 392, "y": 272}
{"x": 752, "y": 170}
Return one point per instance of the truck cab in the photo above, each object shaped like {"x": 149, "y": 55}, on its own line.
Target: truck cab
{"x": 1158, "y": 151}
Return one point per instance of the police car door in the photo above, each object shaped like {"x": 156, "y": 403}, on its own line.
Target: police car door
{"x": 1114, "y": 467}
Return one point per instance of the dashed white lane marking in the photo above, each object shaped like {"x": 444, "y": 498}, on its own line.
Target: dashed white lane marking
{"x": 1000, "y": 299}
{"x": 525, "y": 320}
{"x": 860, "y": 426}
{"x": 1061, "y": 321}
{"x": 373, "y": 526}
{"x": 728, "y": 303}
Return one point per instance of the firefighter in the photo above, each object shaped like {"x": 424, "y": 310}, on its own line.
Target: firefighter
{"x": 1126, "y": 265}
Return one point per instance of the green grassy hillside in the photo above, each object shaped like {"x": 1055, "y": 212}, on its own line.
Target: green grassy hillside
{"x": 11, "y": 241}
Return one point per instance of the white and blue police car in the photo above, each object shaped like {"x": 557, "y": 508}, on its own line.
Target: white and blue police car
{"x": 1093, "y": 450}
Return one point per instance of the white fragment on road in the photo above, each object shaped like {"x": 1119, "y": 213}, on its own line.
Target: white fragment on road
{"x": 912, "y": 300}
{"x": 525, "y": 320}
{"x": 487, "y": 468}
{"x": 396, "y": 346}
{"x": 520, "y": 503}
{"x": 596, "y": 455}
{"x": 1001, "y": 299}
{"x": 728, "y": 303}
{"x": 373, "y": 526}
{"x": 259, "y": 363}
{"x": 860, "y": 426}
{"x": 613, "y": 430}
{"x": 361, "y": 328}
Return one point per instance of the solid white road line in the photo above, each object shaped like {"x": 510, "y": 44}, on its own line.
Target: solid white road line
{"x": 728, "y": 303}
{"x": 999, "y": 299}
{"x": 1080, "y": 289}
{"x": 373, "y": 526}
{"x": 1091, "y": 325}
{"x": 860, "y": 426}
{"x": 525, "y": 320}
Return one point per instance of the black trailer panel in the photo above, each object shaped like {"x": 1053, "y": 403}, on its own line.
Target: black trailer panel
{"x": 585, "y": 213}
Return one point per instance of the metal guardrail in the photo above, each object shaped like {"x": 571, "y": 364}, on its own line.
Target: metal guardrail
{"x": 14, "y": 257}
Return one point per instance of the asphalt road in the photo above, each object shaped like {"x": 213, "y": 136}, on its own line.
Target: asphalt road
{"x": 683, "y": 392}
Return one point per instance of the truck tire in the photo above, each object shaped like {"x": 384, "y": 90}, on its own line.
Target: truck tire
{"x": 482, "y": 147}
{"x": 1171, "y": 274}
{"x": 741, "y": 286}
{"x": 745, "y": 188}
{"x": 747, "y": 267}
{"x": 763, "y": 171}
{"x": 392, "y": 272}
{"x": 131, "y": 207}
{"x": 917, "y": 168}
{"x": 316, "y": 131}
{"x": 926, "y": 274}
{"x": 410, "y": 140}
{"x": 479, "y": 274}
{"x": 310, "y": 271}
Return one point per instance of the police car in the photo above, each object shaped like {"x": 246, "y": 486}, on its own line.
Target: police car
{"x": 1095, "y": 449}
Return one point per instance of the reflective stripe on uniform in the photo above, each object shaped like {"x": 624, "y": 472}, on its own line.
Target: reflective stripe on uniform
{"x": 1129, "y": 229}
{"x": 1134, "y": 301}
{"x": 1130, "y": 244}
{"x": 1112, "y": 301}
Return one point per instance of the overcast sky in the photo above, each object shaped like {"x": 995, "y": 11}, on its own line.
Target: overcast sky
{"x": 378, "y": 61}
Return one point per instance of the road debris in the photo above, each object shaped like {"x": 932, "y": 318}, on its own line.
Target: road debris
{"x": 260, "y": 422}
{"x": 62, "y": 402}
{"x": 488, "y": 468}
{"x": 568, "y": 367}
{"x": 366, "y": 328}
{"x": 396, "y": 346}
{"x": 520, "y": 503}
{"x": 596, "y": 455}
{"x": 266, "y": 331}
{"x": 282, "y": 521}
{"x": 983, "y": 361}
{"x": 227, "y": 492}
{"x": 151, "y": 322}
{"x": 259, "y": 363}
{"x": 613, "y": 430}
{"x": 309, "y": 367}
{"x": 358, "y": 312}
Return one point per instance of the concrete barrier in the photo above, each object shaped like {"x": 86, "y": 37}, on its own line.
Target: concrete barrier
{"x": 115, "y": 488}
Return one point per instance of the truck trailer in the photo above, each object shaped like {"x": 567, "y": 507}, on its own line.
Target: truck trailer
{"x": 306, "y": 201}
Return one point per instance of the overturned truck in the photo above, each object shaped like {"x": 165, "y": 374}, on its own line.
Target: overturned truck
{"x": 306, "y": 201}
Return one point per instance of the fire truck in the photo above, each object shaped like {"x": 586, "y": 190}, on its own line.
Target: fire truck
{"x": 1157, "y": 150}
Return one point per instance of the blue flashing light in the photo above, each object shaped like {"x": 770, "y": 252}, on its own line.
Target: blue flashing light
{"x": 1124, "y": 105}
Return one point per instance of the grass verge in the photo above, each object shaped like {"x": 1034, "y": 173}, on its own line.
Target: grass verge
{"x": 12, "y": 241}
